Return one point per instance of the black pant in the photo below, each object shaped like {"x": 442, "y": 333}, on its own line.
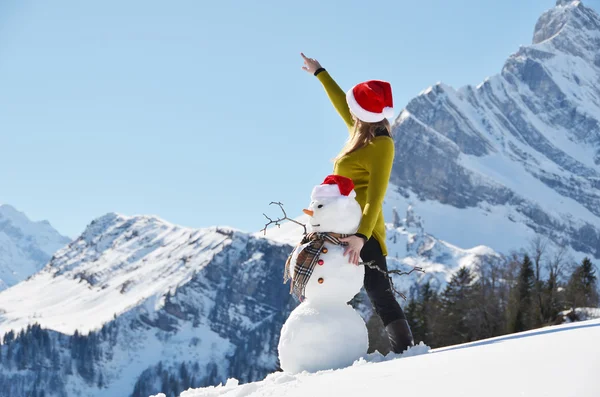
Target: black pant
{"x": 378, "y": 286}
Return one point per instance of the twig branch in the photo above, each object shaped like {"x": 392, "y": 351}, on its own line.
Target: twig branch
{"x": 277, "y": 221}
{"x": 373, "y": 265}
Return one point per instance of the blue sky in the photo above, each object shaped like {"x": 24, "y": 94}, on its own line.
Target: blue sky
{"x": 198, "y": 111}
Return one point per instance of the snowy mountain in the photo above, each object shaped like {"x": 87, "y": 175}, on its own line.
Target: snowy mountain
{"x": 517, "y": 155}
{"x": 136, "y": 296}
{"x": 25, "y": 246}
{"x": 555, "y": 361}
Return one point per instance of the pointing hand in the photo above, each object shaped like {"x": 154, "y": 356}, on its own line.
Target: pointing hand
{"x": 311, "y": 65}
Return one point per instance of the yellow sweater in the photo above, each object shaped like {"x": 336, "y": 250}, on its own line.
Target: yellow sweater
{"x": 368, "y": 167}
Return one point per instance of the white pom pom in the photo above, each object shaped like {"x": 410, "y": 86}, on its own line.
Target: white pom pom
{"x": 388, "y": 112}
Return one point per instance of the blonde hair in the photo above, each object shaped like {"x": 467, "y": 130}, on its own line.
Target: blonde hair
{"x": 362, "y": 135}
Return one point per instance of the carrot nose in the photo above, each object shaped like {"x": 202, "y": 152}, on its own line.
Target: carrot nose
{"x": 308, "y": 212}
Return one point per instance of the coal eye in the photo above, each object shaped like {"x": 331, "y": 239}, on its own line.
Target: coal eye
{"x": 320, "y": 206}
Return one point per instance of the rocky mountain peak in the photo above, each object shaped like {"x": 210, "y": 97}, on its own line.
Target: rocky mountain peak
{"x": 570, "y": 26}
{"x": 560, "y": 3}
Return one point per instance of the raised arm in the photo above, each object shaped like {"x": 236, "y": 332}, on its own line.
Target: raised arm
{"x": 336, "y": 95}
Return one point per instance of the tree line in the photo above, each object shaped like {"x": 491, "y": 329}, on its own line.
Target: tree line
{"x": 502, "y": 296}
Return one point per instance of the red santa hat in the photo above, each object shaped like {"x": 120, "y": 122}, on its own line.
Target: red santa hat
{"x": 371, "y": 101}
{"x": 334, "y": 186}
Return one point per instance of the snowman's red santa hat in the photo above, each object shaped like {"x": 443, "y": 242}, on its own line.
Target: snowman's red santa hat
{"x": 334, "y": 186}
{"x": 371, "y": 101}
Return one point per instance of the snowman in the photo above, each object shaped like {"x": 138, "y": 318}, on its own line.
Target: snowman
{"x": 324, "y": 332}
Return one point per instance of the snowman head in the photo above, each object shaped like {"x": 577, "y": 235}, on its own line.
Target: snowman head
{"x": 333, "y": 207}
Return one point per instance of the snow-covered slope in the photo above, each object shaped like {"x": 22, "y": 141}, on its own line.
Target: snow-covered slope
{"x": 25, "y": 246}
{"x": 557, "y": 361}
{"x": 410, "y": 245}
{"x": 517, "y": 155}
{"x": 115, "y": 265}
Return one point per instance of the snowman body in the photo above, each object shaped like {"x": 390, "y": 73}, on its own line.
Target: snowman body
{"x": 320, "y": 337}
{"x": 324, "y": 332}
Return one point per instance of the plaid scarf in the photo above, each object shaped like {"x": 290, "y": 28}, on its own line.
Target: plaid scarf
{"x": 307, "y": 259}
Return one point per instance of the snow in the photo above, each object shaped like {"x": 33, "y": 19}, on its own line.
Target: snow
{"x": 558, "y": 361}
{"x": 582, "y": 313}
{"x": 500, "y": 228}
{"x": 461, "y": 227}
{"x": 507, "y": 173}
{"x": 117, "y": 264}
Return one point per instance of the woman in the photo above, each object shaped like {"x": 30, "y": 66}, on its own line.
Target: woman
{"x": 367, "y": 159}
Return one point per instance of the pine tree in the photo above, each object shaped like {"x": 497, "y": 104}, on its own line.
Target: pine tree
{"x": 174, "y": 386}
{"x": 422, "y": 314}
{"x": 551, "y": 298}
{"x": 55, "y": 360}
{"x": 9, "y": 356}
{"x": 486, "y": 313}
{"x": 164, "y": 384}
{"x": 430, "y": 312}
{"x": 184, "y": 375}
{"x": 539, "y": 250}
{"x": 21, "y": 355}
{"x": 457, "y": 309}
{"x": 9, "y": 337}
{"x": 582, "y": 287}
{"x": 588, "y": 275}
{"x": 414, "y": 318}
{"x": 522, "y": 304}
{"x": 67, "y": 366}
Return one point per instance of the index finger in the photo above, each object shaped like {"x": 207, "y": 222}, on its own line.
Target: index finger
{"x": 304, "y": 56}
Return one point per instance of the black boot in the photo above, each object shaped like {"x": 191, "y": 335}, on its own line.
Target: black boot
{"x": 400, "y": 335}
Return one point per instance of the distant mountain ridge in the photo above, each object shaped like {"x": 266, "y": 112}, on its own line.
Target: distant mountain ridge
{"x": 25, "y": 246}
